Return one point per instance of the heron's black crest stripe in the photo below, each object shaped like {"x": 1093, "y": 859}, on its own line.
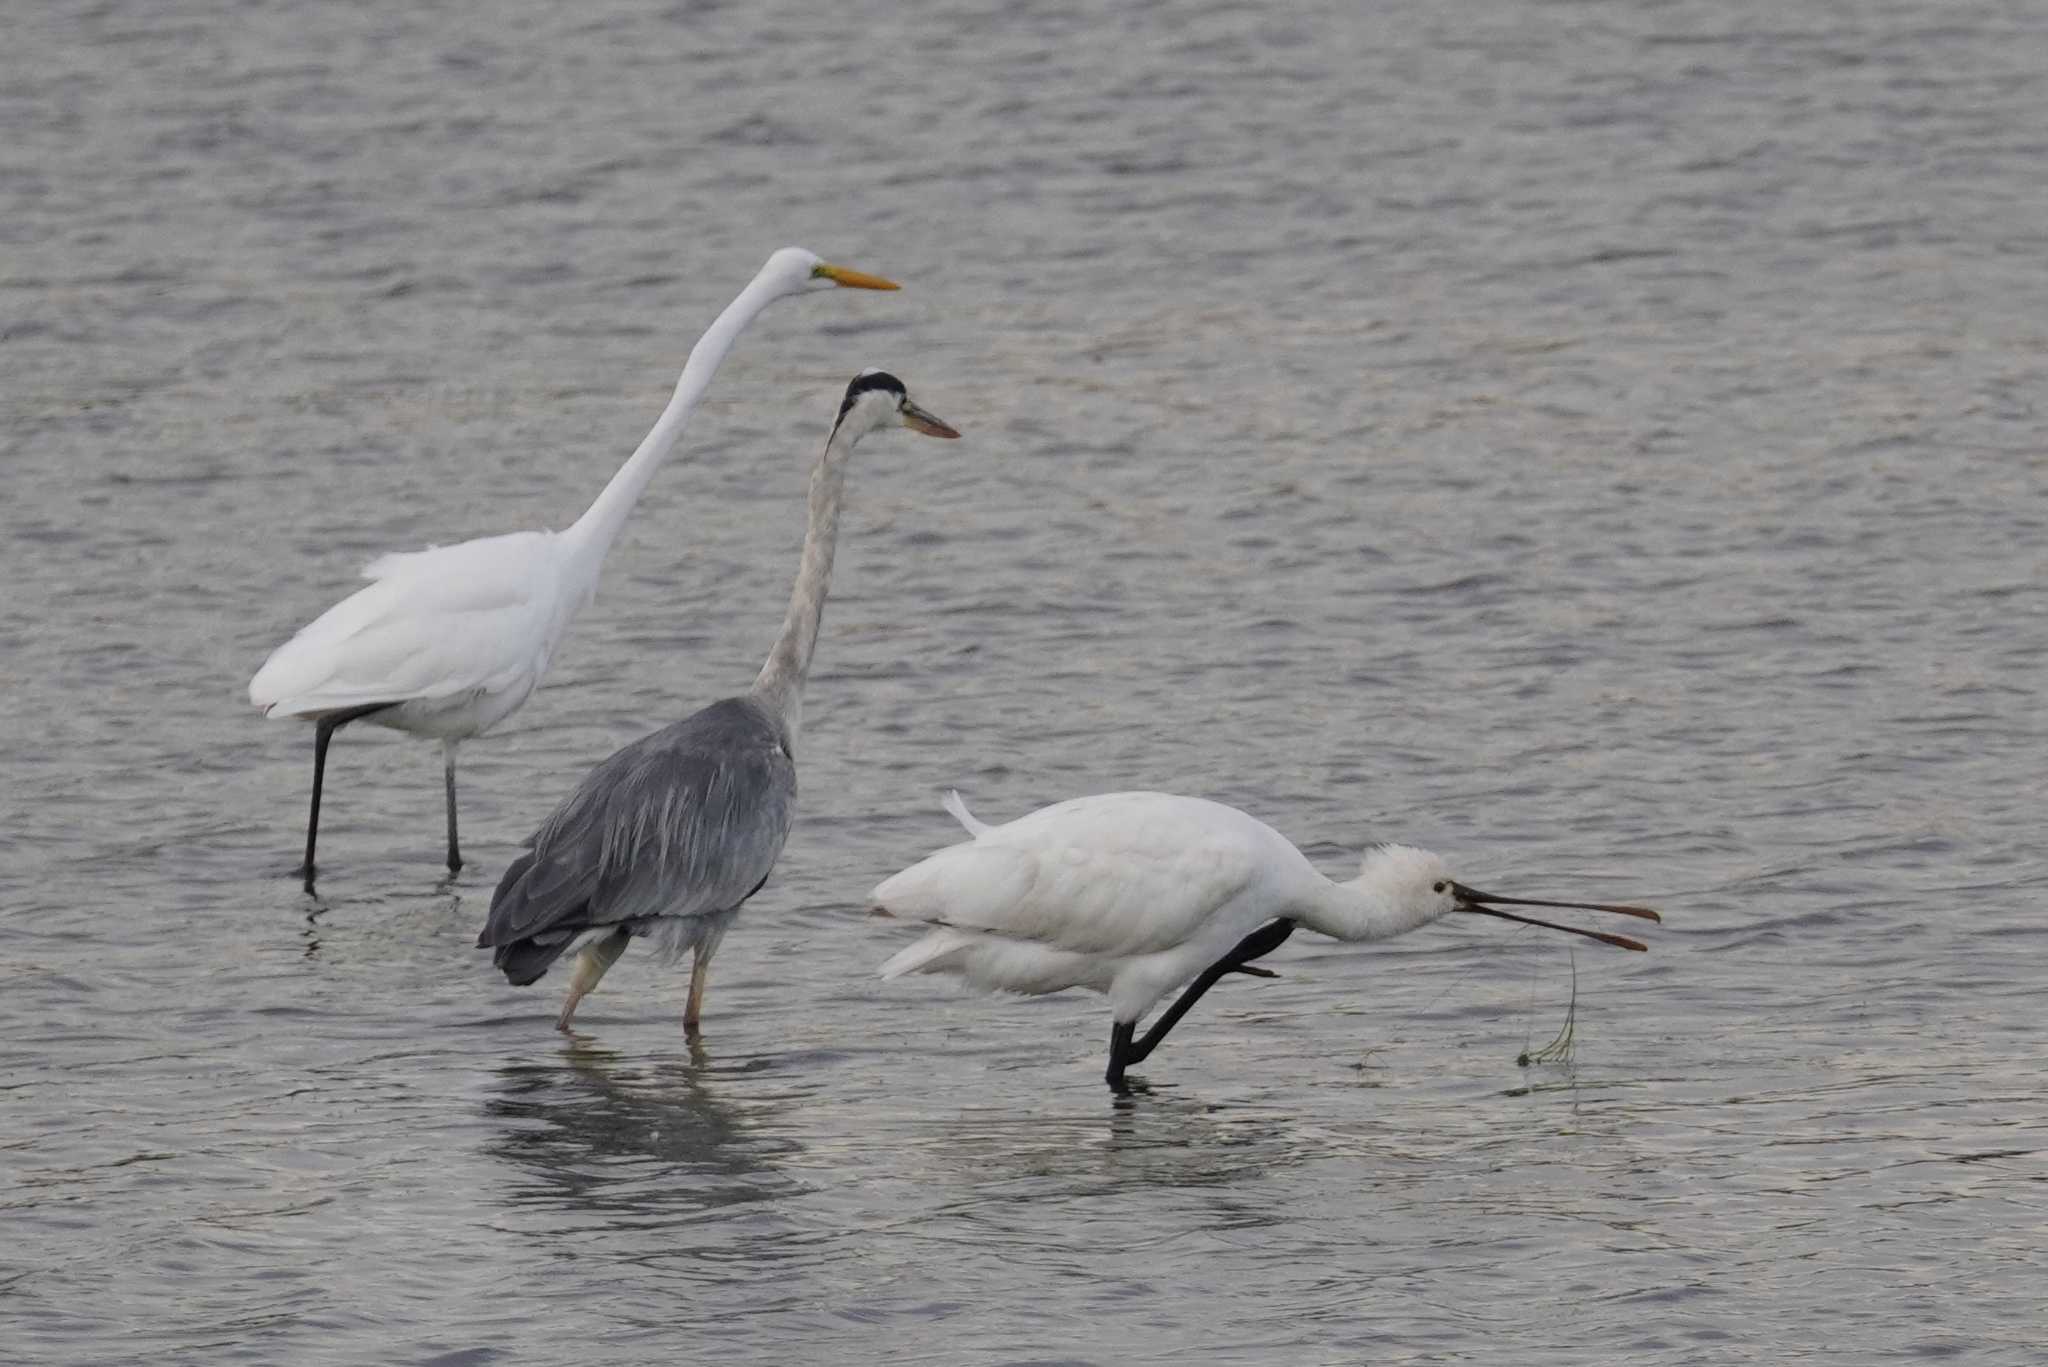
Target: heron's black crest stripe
{"x": 862, "y": 383}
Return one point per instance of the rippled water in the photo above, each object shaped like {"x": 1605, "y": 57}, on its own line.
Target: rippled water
{"x": 1598, "y": 441}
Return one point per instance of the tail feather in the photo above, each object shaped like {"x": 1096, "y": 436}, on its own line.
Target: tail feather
{"x": 957, "y": 805}
{"x": 522, "y": 958}
{"x": 925, "y": 955}
{"x": 524, "y": 961}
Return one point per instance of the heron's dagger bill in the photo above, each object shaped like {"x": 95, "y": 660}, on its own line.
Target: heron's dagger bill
{"x": 917, "y": 420}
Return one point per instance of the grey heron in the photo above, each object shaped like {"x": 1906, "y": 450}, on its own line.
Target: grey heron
{"x": 670, "y": 835}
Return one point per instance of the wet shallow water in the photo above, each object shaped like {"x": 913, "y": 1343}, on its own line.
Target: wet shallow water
{"x": 1596, "y": 441}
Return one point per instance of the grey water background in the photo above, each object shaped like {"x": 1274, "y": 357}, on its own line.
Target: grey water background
{"x": 1598, "y": 441}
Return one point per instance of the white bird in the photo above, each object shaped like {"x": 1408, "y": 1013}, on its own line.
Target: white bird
{"x": 449, "y": 641}
{"x": 672, "y": 833}
{"x": 1134, "y": 894}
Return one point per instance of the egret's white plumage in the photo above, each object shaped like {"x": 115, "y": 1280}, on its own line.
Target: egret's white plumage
{"x": 459, "y": 635}
{"x": 1135, "y": 894}
{"x": 449, "y": 641}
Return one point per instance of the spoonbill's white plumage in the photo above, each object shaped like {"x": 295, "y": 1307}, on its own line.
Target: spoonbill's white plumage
{"x": 672, "y": 833}
{"x": 449, "y": 641}
{"x": 1135, "y": 894}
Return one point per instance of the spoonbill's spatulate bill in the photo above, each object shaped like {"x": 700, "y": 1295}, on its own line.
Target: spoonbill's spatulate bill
{"x": 1136, "y": 894}
{"x": 448, "y": 642}
{"x": 670, "y": 835}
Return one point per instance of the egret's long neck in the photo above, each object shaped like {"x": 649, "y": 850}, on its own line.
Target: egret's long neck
{"x": 780, "y": 685}
{"x": 592, "y": 534}
{"x": 1354, "y": 910}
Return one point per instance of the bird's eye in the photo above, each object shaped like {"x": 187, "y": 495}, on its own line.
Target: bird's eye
{"x": 1438, "y": 886}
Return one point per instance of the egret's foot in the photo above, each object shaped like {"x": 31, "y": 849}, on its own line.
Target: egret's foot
{"x": 454, "y": 839}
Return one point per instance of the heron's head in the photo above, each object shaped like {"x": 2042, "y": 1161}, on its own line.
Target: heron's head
{"x": 796, "y": 271}
{"x": 877, "y": 399}
{"x": 1419, "y": 885}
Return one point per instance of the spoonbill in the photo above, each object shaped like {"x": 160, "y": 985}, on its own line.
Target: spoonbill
{"x": 1135, "y": 894}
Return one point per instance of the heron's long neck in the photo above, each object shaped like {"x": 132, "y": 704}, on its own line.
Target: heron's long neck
{"x": 592, "y": 534}
{"x": 1354, "y": 910}
{"x": 780, "y": 684}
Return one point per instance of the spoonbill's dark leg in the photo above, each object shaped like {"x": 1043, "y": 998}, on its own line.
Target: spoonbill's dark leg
{"x": 1260, "y": 942}
{"x": 1119, "y": 1053}
{"x": 454, "y": 850}
{"x": 323, "y": 732}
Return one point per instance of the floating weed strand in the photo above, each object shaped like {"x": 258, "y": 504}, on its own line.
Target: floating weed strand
{"x": 1457, "y": 980}
{"x": 1528, "y": 1019}
{"x": 1559, "y": 1050}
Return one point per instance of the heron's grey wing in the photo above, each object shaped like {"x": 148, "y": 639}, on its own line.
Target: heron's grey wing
{"x": 687, "y": 820}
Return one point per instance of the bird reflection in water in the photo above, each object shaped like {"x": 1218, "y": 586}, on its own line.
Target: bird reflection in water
{"x": 380, "y": 923}
{"x": 1145, "y": 1139}
{"x": 647, "y": 1138}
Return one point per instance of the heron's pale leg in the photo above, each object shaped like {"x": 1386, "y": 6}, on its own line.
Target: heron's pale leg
{"x": 700, "y": 978}
{"x": 593, "y": 961}
{"x": 1260, "y": 942}
{"x": 454, "y": 850}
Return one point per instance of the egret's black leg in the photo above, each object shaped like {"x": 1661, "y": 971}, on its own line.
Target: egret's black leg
{"x": 1260, "y": 942}
{"x": 323, "y": 732}
{"x": 1119, "y": 1053}
{"x": 454, "y": 849}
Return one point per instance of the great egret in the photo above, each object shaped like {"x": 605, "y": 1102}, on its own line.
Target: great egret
{"x": 1134, "y": 894}
{"x": 449, "y": 641}
{"x": 671, "y": 834}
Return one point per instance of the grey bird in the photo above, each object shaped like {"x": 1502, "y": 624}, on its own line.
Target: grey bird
{"x": 671, "y": 834}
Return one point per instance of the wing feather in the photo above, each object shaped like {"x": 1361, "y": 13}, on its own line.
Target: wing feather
{"x": 688, "y": 820}
{"x": 480, "y": 617}
{"x": 1118, "y": 874}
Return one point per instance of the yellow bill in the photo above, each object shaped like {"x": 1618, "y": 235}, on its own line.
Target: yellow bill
{"x": 852, "y": 279}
